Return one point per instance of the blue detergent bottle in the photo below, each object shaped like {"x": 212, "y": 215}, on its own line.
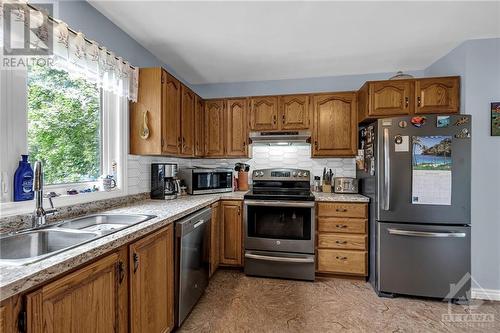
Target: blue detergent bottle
{"x": 23, "y": 181}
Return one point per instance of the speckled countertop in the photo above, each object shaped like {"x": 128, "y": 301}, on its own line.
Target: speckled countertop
{"x": 20, "y": 278}
{"x": 338, "y": 197}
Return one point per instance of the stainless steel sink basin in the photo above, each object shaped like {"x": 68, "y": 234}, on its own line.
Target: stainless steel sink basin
{"x": 37, "y": 244}
{"x": 104, "y": 223}
{"x": 33, "y": 245}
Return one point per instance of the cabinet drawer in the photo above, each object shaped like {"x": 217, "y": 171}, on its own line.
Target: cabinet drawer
{"x": 342, "y": 261}
{"x": 344, "y": 225}
{"x": 342, "y": 241}
{"x": 340, "y": 209}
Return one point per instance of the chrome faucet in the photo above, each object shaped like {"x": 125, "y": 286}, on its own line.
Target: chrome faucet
{"x": 39, "y": 215}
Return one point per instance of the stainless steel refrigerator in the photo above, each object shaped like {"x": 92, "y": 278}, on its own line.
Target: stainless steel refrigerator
{"x": 416, "y": 171}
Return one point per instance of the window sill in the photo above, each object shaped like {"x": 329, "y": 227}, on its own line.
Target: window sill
{"x": 24, "y": 207}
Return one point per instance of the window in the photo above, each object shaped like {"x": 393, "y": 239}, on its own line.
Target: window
{"x": 64, "y": 125}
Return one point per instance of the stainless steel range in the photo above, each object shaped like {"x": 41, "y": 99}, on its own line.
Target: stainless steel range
{"x": 279, "y": 224}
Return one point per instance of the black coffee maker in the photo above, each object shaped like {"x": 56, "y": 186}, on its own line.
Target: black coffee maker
{"x": 164, "y": 182}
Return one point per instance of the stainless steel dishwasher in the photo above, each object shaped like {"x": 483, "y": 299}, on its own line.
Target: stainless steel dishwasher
{"x": 193, "y": 253}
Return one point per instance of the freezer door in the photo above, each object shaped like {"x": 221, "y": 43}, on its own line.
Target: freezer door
{"x": 424, "y": 260}
{"x": 398, "y": 180}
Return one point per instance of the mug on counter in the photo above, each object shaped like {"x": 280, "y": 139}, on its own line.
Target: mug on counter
{"x": 108, "y": 183}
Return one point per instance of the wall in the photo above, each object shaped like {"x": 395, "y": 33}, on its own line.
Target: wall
{"x": 478, "y": 62}
{"x": 278, "y": 87}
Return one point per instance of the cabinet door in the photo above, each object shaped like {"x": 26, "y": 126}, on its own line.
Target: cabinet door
{"x": 236, "y": 127}
{"x": 214, "y": 238}
{"x": 231, "y": 237}
{"x": 187, "y": 121}
{"x": 335, "y": 125}
{"x": 294, "y": 112}
{"x": 171, "y": 123}
{"x": 390, "y": 98}
{"x": 147, "y": 113}
{"x": 214, "y": 128}
{"x": 437, "y": 95}
{"x": 87, "y": 300}
{"x": 264, "y": 113}
{"x": 151, "y": 282}
{"x": 199, "y": 131}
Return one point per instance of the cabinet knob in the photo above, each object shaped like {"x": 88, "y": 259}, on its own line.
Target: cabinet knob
{"x": 136, "y": 262}
{"x": 407, "y": 102}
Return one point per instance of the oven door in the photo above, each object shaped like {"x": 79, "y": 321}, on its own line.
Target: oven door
{"x": 212, "y": 182}
{"x": 281, "y": 226}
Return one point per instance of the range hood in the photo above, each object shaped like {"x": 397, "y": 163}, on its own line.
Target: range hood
{"x": 280, "y": 138}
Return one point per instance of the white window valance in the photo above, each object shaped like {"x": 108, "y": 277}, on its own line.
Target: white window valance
{"x": 71, "y": 51}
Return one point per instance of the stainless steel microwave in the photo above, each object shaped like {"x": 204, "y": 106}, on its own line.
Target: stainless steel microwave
{"x": 204, "y": 181}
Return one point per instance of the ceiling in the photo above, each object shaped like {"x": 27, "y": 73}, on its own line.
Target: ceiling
{"x": 212, "y": 42}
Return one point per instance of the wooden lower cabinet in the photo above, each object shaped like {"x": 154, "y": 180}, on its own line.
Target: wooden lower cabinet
{"x": 131, "y": 289}
{"x": 342, "y": 238}
{"x": 151, "y": 269}
{"x": 231, "y": 247}
{"x": 214, "y": 239}
{"x": 90, "y": 299}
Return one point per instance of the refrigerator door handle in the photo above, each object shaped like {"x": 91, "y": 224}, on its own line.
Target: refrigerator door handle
{"x": 387, "y": 172}
{"x": 414, "y": 233}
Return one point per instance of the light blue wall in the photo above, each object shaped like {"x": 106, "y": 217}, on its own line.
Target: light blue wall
{"x": 81, "y": 16}
{"x": 478, "y": 62}
{"x": 276, "y": 87}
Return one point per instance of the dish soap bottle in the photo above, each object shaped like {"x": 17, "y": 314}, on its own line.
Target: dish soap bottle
{"x": 23, "y": 181}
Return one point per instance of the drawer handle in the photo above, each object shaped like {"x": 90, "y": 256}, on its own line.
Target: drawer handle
{"x": 341, "y": 242}
{"x": 341, "y": 226}
{"x": 341, "y": 258}
{"x": 136, "y": 262}
{"x": 341, "y": 210}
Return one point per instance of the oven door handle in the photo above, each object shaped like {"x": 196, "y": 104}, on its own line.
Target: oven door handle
{"x": 280, "y": 259}
{"x": 279, "y": 203}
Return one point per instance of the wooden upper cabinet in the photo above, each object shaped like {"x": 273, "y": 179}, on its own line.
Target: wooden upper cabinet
{"x": 231, "y": 233}
{"x": 388, "y": 98}
{"x": 437, "y": 95}
{"x": 152, "y": 283}
{"x": 264, "y": 113}
{"x": 147, "y": 113}
{"x": 87, "y": 300}
{"x": 294, "y": 112}
{"x": 214, "y": 128}
{"x": 188, "y": 105}
{"x": 199, "y": 131}
{"x": 334, "y": 125}
{"x": 172, "y": 119}
{"x": 236, "y": 127}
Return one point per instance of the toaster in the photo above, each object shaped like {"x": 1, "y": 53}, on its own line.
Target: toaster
{"x": 345, "y": 185}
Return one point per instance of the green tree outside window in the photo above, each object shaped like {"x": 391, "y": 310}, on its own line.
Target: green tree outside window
{"x": 64, "y": 122}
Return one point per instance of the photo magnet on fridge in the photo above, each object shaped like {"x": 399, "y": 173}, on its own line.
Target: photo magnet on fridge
{"x": 442, "y": 121}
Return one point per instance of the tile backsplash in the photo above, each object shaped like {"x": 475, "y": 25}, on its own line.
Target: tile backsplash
{"x": 263, "y": 157}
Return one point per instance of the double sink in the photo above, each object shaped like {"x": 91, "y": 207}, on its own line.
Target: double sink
{"x": 36, "y": 244}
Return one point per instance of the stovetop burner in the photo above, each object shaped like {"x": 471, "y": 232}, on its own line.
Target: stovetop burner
{"x": 281, "y": 184}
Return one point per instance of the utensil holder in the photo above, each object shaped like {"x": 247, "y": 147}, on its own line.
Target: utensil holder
{"x": 242, "y": 181}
